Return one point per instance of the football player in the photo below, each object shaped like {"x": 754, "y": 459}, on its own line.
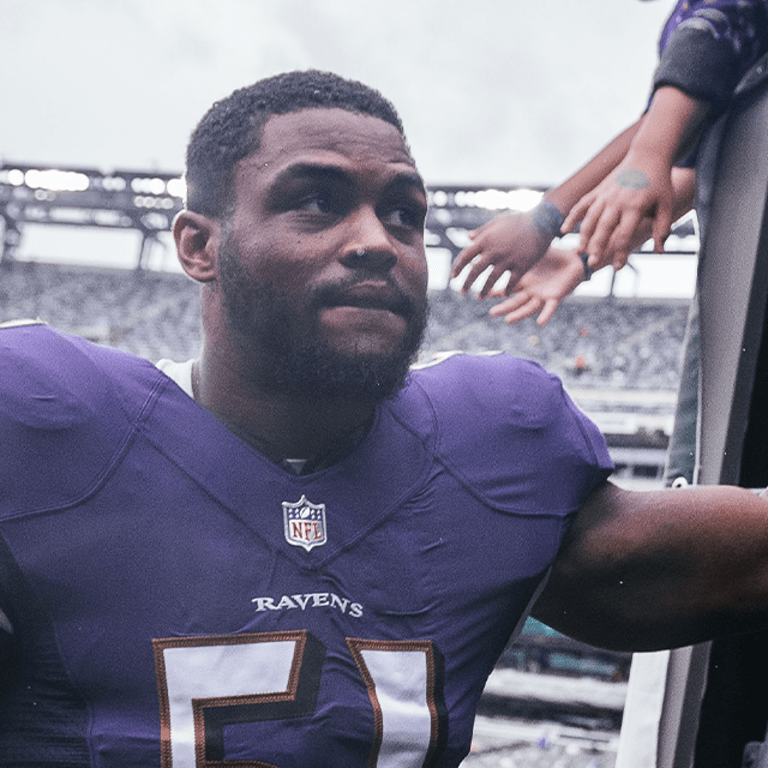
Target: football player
{"x": 292, "y": 550}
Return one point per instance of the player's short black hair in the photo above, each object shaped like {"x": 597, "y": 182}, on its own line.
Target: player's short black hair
{"x": 231, "y": 129}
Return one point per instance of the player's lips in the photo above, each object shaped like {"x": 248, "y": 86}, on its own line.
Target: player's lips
{"x": 367, "y": 295}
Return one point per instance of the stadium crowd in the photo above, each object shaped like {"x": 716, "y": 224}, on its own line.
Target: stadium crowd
{"x": 621, "y": 343}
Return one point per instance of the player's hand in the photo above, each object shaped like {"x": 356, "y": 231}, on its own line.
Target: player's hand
{"x": 509, "y": 243}
{"x": 613, "y": 212}
{"x": 542, "y": 287}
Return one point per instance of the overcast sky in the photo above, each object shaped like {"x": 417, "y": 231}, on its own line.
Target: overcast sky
{"x": 502, "y": 91}
{"x": 491, "y": 91}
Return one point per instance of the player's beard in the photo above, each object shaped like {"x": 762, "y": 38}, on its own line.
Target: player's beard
{"x": 294, "y": 357}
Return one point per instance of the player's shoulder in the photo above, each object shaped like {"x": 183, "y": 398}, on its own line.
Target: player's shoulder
{"x": 471, "y": 403}
{"x": 463, "y": 367}
{"x": 40, "y": 364}
{"x": 495, "y": 384}
{"x": 66, "y": 405}
{"x": 506, "y": 427}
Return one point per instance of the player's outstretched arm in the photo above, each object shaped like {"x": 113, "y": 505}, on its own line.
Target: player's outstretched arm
{"x": 648, "y": 570}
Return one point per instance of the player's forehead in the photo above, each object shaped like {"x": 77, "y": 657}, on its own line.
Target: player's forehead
{"x": 352, "y": 142}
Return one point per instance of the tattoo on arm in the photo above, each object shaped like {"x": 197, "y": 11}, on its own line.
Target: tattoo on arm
{"x": 632, "y": 179}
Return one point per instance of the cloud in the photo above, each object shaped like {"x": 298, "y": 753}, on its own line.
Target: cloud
{"x": 489, "y": 91}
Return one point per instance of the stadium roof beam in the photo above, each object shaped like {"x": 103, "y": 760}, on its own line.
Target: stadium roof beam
{"x": 147, "y": 201}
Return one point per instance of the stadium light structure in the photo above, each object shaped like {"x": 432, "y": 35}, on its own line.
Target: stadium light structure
{"x": 147, "y": 201}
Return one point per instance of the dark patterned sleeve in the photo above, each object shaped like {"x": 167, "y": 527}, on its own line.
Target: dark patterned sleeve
{"x": 708, "y": 45}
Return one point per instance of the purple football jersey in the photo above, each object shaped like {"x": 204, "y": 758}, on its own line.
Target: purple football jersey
{"x": 177, "y": 600}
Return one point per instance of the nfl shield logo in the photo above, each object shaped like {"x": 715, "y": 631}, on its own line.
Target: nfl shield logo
{"x": 304, "y": 523}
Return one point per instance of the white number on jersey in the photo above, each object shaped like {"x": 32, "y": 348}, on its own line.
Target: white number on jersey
{"x": 206, "y": 683}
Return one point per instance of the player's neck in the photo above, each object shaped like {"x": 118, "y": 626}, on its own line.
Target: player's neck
{"x": 281, "y": 426}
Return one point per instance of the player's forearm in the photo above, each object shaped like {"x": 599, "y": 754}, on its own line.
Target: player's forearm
{"x": 643, "y": 571}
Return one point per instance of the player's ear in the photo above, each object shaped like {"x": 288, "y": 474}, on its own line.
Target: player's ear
{"x": 197, "y": 244}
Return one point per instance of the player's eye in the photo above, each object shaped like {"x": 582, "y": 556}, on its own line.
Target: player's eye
{"x": 408, "y": 216}
{"x": 316, "y": 202}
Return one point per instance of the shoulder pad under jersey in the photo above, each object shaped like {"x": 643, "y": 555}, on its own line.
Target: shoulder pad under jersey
{"x": 67, "y": 410}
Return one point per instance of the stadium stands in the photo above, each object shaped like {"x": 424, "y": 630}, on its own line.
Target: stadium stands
{"x": 600, "y": 344}
{"x": 150, "y": 314}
